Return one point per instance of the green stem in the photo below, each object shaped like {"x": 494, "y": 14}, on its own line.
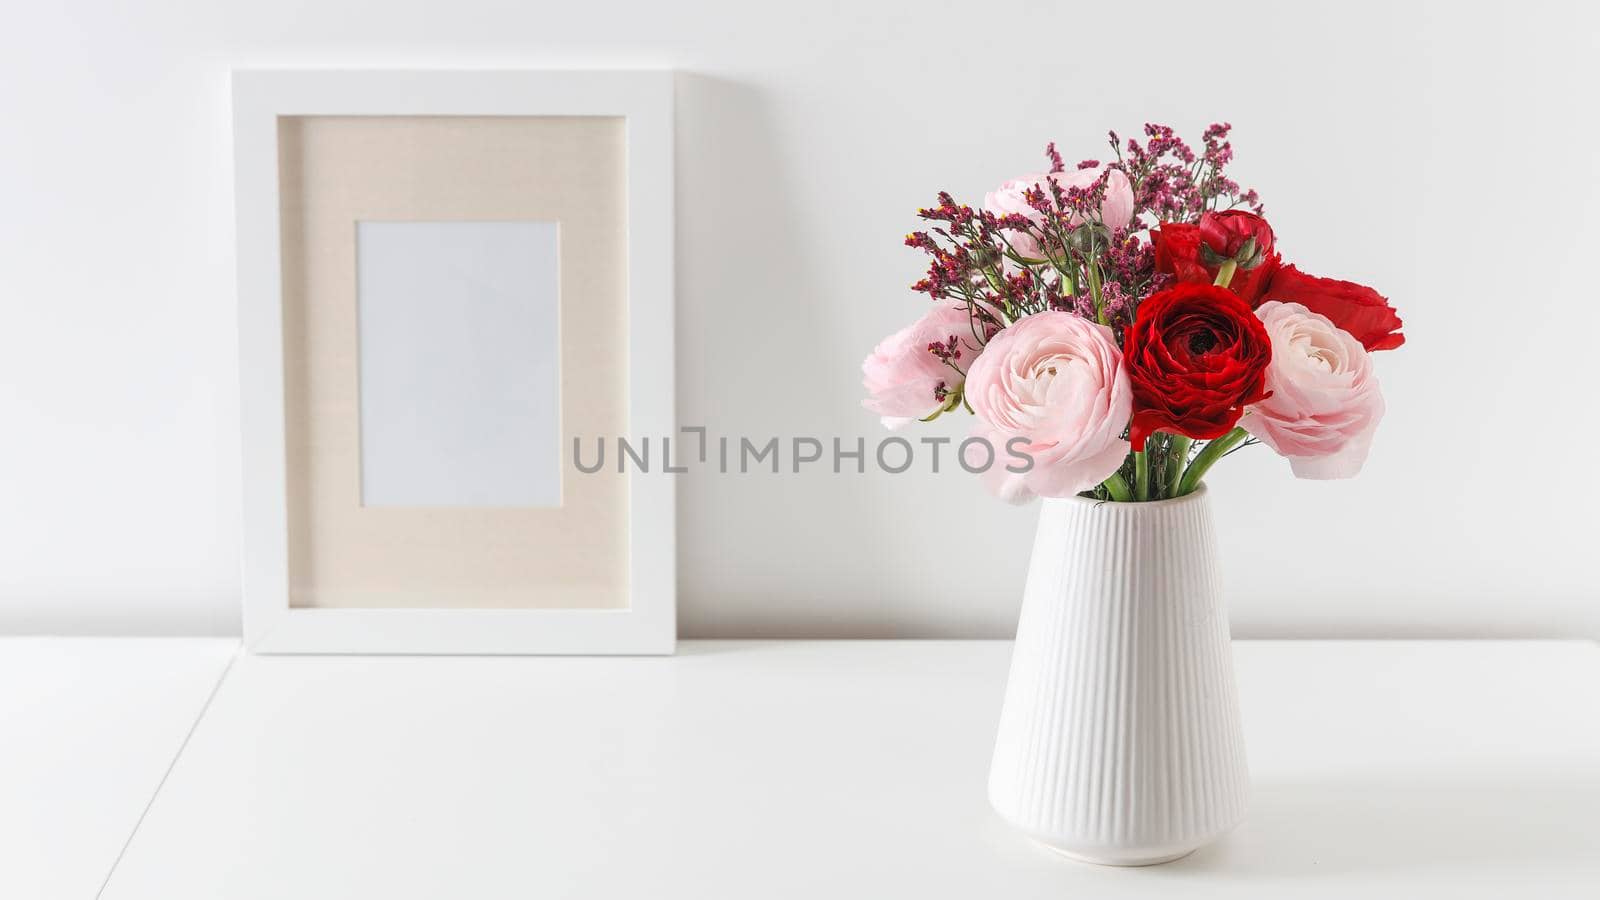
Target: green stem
{"x": 1177, "y": 460}
{"x": 1117, "y": 487}
{"x": 1214, "y": 450}
{"x": 1225, "y": 273}
{"x": 1141, "y": 475}
{"x": 1093, "y": 275}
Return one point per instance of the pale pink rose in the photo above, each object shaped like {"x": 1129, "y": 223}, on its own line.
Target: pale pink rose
{"x": 1115, "y": 212}
{"x": 1325, "y": 402}
{"x": 903, "y": 378}
{"x": 1056, "y": 380}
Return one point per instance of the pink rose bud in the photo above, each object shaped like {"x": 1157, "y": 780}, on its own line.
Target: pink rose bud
{"x": 1009, "y": 198}
{"x": 906, "y": 379}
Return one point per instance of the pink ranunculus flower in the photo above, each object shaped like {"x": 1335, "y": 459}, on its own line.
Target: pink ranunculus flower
{"x": 1115, "y": 212}
{"x": 1056, "y": 380}
{"x": 904, "y": 379}
{"x": 1325, "y": 403}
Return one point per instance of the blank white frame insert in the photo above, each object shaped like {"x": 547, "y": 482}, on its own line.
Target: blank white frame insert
{"x": 460, "y": 369}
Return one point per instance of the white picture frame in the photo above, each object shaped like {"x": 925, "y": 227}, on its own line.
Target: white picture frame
{"x": 271, "y": 624}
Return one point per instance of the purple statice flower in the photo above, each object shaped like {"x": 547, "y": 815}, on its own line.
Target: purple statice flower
{"x": 1172, "y": 183}
{"x": 1056, "y": 165}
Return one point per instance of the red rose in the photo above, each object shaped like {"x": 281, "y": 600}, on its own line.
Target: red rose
{"x": 1194, "y": 253}
{"x": 1356, "y": 308}
{"x": 1196, "y": 356}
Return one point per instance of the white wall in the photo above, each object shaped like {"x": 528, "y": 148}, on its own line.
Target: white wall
{"x": 1447, "y": 156}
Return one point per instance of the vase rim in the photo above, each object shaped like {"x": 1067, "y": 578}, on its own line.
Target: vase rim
{"x": 1194, "y": 495}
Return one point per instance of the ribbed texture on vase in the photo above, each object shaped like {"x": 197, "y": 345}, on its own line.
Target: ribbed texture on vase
{"x": 1120, "y": 739}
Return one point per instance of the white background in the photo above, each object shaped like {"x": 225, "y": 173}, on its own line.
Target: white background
{"x": 1442, "y": 154}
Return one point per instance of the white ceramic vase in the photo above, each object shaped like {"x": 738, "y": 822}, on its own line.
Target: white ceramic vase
{"x": 1120, "y": 740}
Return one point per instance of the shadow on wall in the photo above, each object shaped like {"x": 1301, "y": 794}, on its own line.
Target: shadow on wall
{"x": 770, "y": 260}
{"x": 747, "y": 287}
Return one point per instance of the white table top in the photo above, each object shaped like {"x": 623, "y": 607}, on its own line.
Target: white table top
{"x": 833, "y": 769}
{"x": 853, "y": 769}
{"x": 88, "y": 727}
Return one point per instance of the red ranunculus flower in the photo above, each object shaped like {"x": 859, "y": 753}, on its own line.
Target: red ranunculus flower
{"x": 1196, "y": 356}
{"x": 1177, "y": 246}
{"x": 1356, "y": 308}
{"x": 1179, "y": 252}
{"x": 1225, "y": 232}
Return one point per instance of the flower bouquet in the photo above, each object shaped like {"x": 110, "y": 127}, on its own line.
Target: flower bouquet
{"x": 1127, "y": 324}
{"x": 1120, "y": 327}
